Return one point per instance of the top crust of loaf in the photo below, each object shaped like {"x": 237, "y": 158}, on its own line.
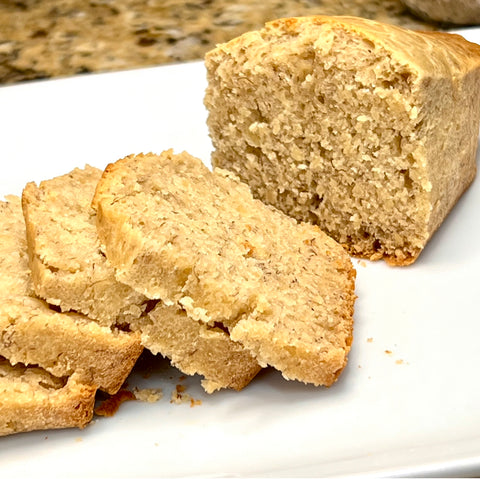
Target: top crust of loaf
{"x": 452, "y": 52}
{"x": 195, "y": 238}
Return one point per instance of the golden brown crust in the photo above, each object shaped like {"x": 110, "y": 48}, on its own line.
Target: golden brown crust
{"x": 104, "y": 185}
{"x": 373, "y": 255}
{"x": 413, "y": 46}
{"x": 31, "y": 399}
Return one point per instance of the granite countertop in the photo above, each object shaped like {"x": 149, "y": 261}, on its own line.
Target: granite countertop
{"x": 52, "y": 38}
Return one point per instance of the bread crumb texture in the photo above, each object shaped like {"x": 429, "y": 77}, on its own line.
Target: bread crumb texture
{"x": 368, "y": 130}
{"x": 64, "y": 343}
{"x": 32, "y": 333}
{"x": 179, "y": 396}
{"x": 69, "y": 269}
{"x": 243, "y": 274}
{"x": 150, "y": 395}
{"x": 15, "y": 278}
{"x": 195, "y": 347}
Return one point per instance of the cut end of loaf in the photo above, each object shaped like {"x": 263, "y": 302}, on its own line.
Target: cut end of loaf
{"x": 338, "y": 121}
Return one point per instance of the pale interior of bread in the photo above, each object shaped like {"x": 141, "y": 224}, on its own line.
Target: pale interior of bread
{"x": 337, "y": 119}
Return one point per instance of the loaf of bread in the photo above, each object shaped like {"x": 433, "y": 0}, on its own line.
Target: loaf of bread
{"x": 68, "y": 267}
{"x": 31, "y": 333}
{"x": 198, "y": 241}
{"x": 32, "y": 399}
{"x": 368, "y": 130}
{"x": 461, "y": 12}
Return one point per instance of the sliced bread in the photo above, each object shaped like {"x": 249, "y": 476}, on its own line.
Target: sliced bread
{"x": 15, "y": 276}
{"x": 32, "y": 333}
{"x": 197, "y": 240}
{"x": 68, "y": 267}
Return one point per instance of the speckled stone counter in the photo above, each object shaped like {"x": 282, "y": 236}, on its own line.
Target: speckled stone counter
{"x": 51, "y": 38}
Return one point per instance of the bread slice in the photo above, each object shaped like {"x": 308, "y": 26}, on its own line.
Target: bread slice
{"x": 70, "y": 271}
{"x": 68, "y": 267}
{"x": 15, "y": 277}
{"x": 32, "y": 399}
{"x": 197, "y": 239}
{"x": 64, "y": 343}
{"x": 195, "y": 347}
{"x": 32, "y": 333}
{"x": 368, "y": 130}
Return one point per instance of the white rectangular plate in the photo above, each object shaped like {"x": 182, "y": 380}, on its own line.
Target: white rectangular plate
{"x": 408, "y": 402}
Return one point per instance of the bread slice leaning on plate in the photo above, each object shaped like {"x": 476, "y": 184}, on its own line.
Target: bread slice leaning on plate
{"x": 68, "y": 267}
{"x": 199, "y": 242}
{"x": 32, "y": 333}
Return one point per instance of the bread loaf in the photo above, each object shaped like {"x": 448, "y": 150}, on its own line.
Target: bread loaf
{"x": 198, "y": 241}
{"x": 368, "y": 130}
